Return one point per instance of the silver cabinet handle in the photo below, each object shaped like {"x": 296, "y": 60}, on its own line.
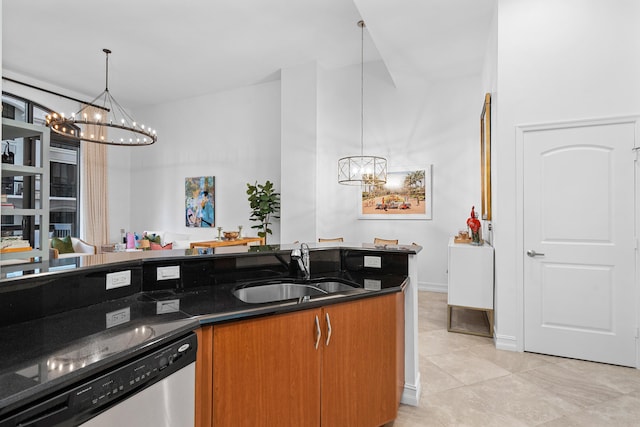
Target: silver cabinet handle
{"x": 328, "y": 328}
{"x": 318, "y": 332}
{"x": 533, "y": 253}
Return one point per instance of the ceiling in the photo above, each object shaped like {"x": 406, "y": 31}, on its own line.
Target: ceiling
{"x": 165, "y": 50}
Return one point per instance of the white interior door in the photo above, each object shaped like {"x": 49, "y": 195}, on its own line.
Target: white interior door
{"x": 579, "y": 242}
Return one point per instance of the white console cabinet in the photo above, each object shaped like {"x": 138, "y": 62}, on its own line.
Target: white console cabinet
{"x": 470, "y": 282}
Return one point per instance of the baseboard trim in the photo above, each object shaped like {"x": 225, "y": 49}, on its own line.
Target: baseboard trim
{"x": 433, "y": 287}
{"x": 505, "y": 342}
{"x": 411, "y": 393}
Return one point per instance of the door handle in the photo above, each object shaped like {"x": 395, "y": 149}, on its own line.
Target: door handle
{"x": 533, "y": 253}
{"x": 328, "y": 329}
{"x": 318, "y": 332}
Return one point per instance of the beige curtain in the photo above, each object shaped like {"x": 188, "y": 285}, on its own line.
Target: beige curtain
{"x": 95, "y": 200}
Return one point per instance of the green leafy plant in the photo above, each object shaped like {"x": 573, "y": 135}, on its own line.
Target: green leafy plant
{"x": 265, "y": 206}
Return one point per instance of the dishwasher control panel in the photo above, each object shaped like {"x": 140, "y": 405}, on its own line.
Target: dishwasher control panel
{"x": 87, "y": 398}
{"x": 135, "y": 375}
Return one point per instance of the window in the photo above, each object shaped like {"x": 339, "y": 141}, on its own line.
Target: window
{"x": 64, "y": 157}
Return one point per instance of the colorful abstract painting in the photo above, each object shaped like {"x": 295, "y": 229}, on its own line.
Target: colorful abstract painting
{"x": 199, "y": 204}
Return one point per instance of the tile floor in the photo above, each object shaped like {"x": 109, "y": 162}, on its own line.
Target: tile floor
{"x": 467, "y": 382}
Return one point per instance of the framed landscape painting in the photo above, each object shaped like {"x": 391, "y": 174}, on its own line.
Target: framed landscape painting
{"x": 199, "y": 201}
{"x": 406, "y": 195}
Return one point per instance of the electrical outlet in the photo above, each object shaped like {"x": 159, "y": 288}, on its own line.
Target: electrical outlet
{"x": 373, "y": 261}
{"x": 372, "y": 285}
{"x": 118, "y": 317}
{"x": 168, "y": 306}
{"x": 119, "y": 279}
{"x": 168, "y": 273}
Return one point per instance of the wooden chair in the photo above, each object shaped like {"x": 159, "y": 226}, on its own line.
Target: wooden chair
{"x": 378, "y": 241}
{"x": 336, "y": 239}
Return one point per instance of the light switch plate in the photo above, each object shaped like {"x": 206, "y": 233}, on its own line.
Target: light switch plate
{"x": 118, "y": 279}
{"x": 168, "y": 273}
{"x": 373, "y": 261}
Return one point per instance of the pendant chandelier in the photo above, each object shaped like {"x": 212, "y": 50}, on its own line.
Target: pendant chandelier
{"x": 362, "y": 170}
{"x": 102, "y": 121}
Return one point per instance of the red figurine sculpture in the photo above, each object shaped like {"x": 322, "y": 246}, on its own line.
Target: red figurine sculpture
{"x": 474, "y": 225}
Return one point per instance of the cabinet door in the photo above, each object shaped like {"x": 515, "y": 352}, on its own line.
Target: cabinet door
{"x": 266, "y": 371}
{"x": 360, "y": 366}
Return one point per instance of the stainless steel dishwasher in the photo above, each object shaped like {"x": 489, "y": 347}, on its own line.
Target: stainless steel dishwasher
{"x": 156, "y": 388}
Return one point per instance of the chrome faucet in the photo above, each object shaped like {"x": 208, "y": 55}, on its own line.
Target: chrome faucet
{"x": 302, "y": 256}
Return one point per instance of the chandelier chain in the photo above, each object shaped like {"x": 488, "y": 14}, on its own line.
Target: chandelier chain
{"x": 361, "y": 23}
{"x": 106, "y": 71}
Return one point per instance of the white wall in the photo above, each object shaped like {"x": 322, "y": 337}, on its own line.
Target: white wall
{"x": 568, "y": 60}
{"x": 233, "y": 135}
{"x": 414, "y": 125}
{"x": 299, "y": 88}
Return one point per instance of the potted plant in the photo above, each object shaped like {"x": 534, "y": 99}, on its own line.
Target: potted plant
{"x": 265, "y": 206}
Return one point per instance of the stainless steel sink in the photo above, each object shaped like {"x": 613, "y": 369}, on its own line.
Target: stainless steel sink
{"x": 332, "y": 287}
{"x": 281, "y": 291}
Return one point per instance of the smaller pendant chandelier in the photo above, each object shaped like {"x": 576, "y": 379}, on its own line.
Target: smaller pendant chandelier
{"x": 102, "y": 121}
{"x": 362, "y": 170}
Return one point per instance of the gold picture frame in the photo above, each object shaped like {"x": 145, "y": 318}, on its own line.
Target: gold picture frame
{"x": 485, "y": 157}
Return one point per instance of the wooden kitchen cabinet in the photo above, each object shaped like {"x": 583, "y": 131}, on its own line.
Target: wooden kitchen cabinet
{"x": 265, "y": 371}
{"x": 360, "y": 363}
{"x": 268, "y": 372}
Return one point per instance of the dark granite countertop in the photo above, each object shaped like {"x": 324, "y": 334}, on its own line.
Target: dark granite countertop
{"x": 44, "y": 355}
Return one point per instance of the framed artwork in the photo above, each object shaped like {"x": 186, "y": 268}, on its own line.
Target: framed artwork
{"x": 406, "y": 195}
{"x": 485, "y": 157}
{"x": 199, "y": 201}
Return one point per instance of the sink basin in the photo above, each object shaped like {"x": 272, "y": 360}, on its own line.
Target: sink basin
{"x": 332, "y": 287}
{"x": 287, "y": 290}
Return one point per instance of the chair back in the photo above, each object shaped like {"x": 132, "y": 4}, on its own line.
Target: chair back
{"x": 61, "y": 230}
{"x": 335, "y": 239}
{"x": 378, "y": 241}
